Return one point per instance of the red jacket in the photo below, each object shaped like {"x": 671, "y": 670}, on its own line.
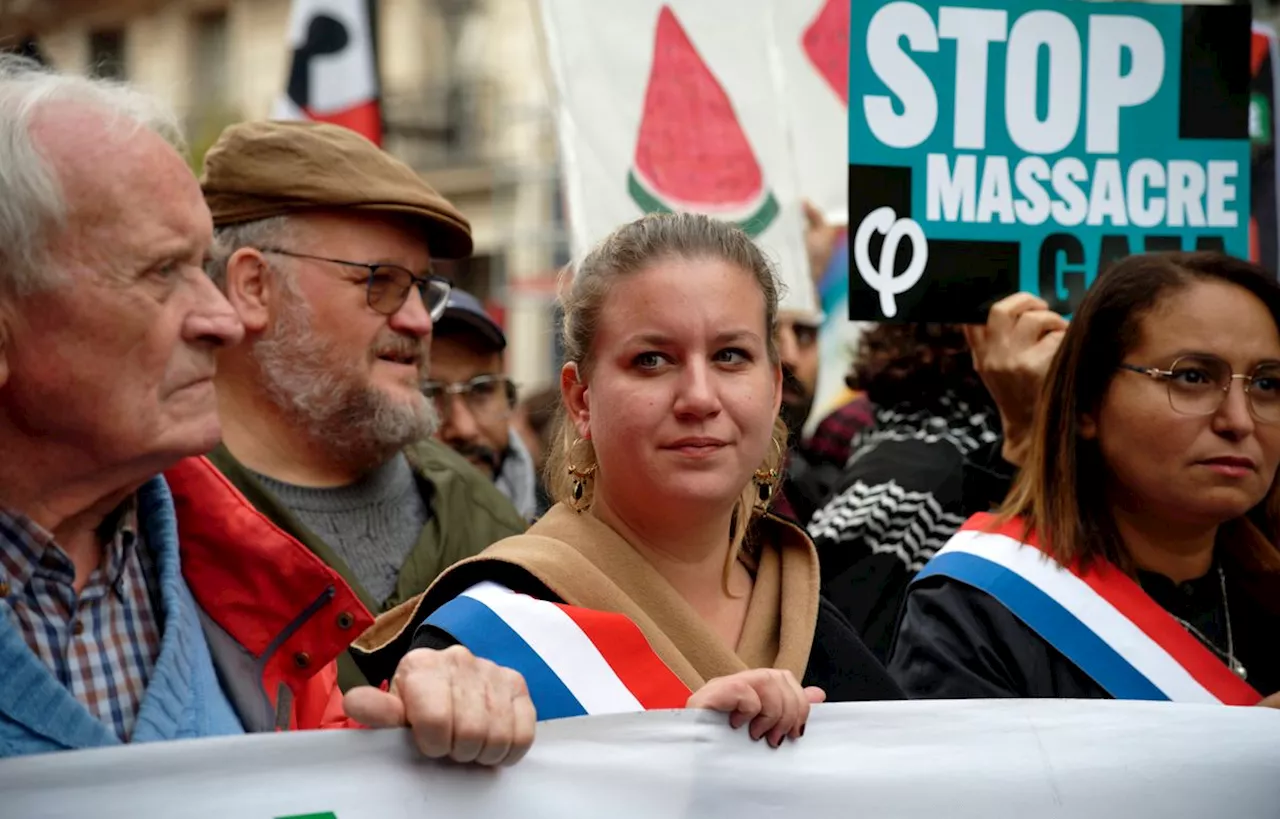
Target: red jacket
{"x": 275, "y": 616}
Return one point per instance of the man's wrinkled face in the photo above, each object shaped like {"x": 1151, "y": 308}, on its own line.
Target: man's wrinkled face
{"x": 351, "y": 375}
{"x": 117, "y": 360}
{"x": 475, "y": 412}
{"x": 798, "y": 350}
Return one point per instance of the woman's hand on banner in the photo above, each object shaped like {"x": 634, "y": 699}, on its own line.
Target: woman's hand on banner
{"x": 1012, "y": 353}
{"x": 459, "y": 707}
{"x": 772, "y": 701}
{"x": 1272, "y": 701}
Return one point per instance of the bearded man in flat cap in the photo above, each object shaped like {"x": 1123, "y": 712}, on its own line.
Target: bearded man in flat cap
{"x": 324, "y": 247}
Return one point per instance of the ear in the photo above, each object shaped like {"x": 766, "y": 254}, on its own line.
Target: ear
{"x": 7, "y": 318}
{"x": 250, "y": 289}
{"x": 577, "y": 399}
{"x": 1088, "y": 426}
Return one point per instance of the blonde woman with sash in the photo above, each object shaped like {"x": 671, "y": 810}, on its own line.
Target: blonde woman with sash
{"x": 658, "y": 580}
{"x": 1135, "y": 557}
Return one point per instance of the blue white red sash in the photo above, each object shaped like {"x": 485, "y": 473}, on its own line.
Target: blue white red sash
{"x": 575, "y": 661}
{"x": 1101, "y": 619}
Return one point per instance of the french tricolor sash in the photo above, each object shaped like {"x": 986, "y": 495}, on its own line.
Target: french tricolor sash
{"x": 1101, "y": 619}
{"x": 575, "y": 661}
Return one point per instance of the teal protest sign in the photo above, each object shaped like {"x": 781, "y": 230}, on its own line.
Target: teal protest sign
{"x": 1015, "y": 145}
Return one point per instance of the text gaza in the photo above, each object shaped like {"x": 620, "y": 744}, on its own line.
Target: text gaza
{"x": 1032, "y": 191}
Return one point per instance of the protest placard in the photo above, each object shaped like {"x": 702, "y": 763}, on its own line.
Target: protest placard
{"x": 1005, "y": 145}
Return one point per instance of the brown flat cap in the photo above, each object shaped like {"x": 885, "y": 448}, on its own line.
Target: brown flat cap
{"x": 257, "y": 170}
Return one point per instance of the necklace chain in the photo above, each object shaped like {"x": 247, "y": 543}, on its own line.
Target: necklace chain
{"x": 1230, "y": 654}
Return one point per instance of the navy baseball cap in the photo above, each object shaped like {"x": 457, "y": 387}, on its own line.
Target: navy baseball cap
{"x": 465, "y": 309}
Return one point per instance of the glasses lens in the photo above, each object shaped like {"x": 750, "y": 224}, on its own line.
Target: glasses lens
{"x": 487, "y": 396}
{"x": 435, "y": 295}
{"x": 1198, "y": 384}
{"x": 388, "y": 287}
{"x": 1264, "y": 392}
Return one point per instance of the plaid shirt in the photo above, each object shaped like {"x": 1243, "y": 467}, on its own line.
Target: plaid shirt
{"x": 832, "y": 441}
{"x": 102, "y": 643}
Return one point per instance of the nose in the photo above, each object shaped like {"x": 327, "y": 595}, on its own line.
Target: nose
{"x": 457, "y": 423}
{"x": 413, "y": 318}
{"x": 788, "y": 347}
{"x": 213, "y": 321}
{"x": 1234, "y": 418}
{"x": 697, "y": 396}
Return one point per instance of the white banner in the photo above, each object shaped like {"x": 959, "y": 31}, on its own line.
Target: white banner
{"x": 994, "y": 760}
{"x": 811, "y": 38}
{"x": 681, "y": 106}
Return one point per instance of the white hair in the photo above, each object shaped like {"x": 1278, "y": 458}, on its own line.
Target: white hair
{"x": 33, "y": 209}
{"x": 274, "y": 231}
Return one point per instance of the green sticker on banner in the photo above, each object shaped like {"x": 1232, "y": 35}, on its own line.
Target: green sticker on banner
{"x": 329, "y": 815}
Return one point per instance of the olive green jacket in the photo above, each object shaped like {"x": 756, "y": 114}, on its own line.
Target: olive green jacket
{"x": 467, "y": 514}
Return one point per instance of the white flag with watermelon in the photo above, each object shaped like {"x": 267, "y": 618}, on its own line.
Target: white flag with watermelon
{"x": 677, "y": 106}
{"x": 812, "y": 41}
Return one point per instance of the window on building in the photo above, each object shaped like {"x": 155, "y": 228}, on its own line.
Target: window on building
{"x": 211, "y": 60}
{"x": 106, "y": 53}
{"x": 473, "y": 274}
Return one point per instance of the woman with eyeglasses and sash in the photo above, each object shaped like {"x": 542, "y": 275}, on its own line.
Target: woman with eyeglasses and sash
{"x": 659, "y": 580}
{"x": 1135, "y": 557}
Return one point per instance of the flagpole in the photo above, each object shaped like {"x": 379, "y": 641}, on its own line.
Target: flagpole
{"x": 375, "y": 42}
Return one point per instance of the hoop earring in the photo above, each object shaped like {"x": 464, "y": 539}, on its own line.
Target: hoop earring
{"x": 579, "y": 476}
{"x": 767, "y": 479}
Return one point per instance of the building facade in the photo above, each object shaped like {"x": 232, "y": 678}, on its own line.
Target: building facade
{"x": 465, "y": 101}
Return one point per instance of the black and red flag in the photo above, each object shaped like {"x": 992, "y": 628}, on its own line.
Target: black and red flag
{"x": 333, "y": 73}
{"x": 1264, "y": 226}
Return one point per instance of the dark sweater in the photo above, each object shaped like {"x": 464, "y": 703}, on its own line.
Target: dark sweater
{"x": 896, "y": 506}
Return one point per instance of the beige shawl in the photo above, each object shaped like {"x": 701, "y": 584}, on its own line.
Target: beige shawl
{"x": 586, "y": 563}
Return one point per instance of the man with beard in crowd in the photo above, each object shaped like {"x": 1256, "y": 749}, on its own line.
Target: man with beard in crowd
{"x": 804, "y": 487}
{"x": 476, "y": 400}
{"x": 798, "y": 351}
{"x": 324, "y": 246}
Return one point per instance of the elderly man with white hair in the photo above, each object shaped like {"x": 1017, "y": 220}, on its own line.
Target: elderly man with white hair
{"x": 141, "y": 596}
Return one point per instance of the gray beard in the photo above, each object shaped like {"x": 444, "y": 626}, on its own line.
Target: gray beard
{"x": 359, "y": 425}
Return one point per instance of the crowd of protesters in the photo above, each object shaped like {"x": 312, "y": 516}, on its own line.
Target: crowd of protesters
{"x": 262, "y": 469}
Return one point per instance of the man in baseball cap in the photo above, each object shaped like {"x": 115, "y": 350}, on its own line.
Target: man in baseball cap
{"x": 475, "y": 399}
{"x": 324, "y": 247}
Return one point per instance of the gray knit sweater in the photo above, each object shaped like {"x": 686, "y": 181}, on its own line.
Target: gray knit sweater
{"x": 373, "y": 524}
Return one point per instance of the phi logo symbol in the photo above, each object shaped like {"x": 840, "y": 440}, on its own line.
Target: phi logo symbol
{"x": 880, "y": 277}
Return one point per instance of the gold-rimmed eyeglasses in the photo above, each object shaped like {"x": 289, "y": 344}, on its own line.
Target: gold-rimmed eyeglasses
{"x": 1198, "y": 384}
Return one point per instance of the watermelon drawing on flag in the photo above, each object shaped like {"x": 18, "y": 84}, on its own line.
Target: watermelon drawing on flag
{"x": 691, "y": 152}
{"x": 826, "y": 42}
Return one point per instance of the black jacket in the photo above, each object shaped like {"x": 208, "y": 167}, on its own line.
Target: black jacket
{"x": 838, "y": 663}
{"x": 896, "y": 506}
{"x": 957, "y": 642}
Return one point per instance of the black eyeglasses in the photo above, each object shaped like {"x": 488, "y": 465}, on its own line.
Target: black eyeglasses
{"x": 388, "y": 285}
{"x": 487, "y": 396}
{"x": 1198, "y": 384}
